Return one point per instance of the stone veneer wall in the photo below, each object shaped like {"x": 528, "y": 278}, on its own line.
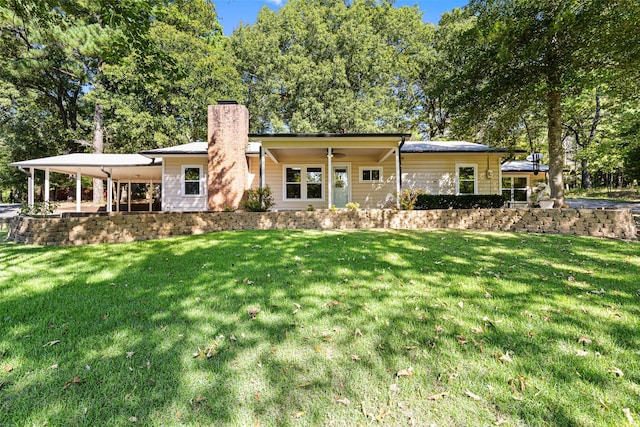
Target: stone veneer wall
{"x": 123, "y": 227}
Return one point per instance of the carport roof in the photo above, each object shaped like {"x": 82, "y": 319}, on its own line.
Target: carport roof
{"x": 129, "y": 167}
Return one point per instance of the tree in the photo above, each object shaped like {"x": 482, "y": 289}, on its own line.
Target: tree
{"x": 333, "y": 66}
{"x": 158, "y": 97}
{"x": 58, "y": 50}
{"x": 514, "y": 55}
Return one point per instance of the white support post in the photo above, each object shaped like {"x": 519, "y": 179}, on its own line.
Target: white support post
{"x": 129, "y": 196}
{"x": 109, "y": 193}
{"x": 262, "y": 168}
{"x": 79, "y": 191}
{"x": 46, "y": 185}
{"x": 118, "y": 195}
{"x": 31, "y": 190}
{"x": 151, "y": 196}
{"x": 398, "y": 178}
{"x": 329, "y": 177}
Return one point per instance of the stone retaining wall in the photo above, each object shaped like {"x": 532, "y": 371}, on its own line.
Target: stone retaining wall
{"x": 128, "y": 227}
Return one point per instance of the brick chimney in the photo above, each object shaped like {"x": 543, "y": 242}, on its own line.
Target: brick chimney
{"x": 228, "y": 138}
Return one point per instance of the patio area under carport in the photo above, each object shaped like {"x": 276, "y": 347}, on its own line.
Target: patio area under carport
{"x": 116, "y": 169}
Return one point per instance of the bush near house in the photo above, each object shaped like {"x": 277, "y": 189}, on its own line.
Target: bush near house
{"x": 258, "y": 200}
{"x": 467, "y": 201}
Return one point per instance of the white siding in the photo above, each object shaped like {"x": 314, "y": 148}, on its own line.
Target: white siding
{"x": 436, "y": 173}
{"x": 368, "y": 195}
{"x": 174, "y": 200}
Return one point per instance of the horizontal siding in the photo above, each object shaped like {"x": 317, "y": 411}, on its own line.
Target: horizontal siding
{"x": 368, "y": 195}
{"x": 173, "y": 200}
{"x": 436, "y": 173}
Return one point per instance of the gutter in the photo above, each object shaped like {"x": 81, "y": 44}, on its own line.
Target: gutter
{"x": 21, "y": 169}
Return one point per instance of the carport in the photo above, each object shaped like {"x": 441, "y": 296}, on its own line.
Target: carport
{"x": 115, "y": 168}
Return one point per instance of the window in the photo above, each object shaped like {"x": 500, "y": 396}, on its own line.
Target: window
{"x": 515, "y": 188}
{"x": 192, "y": 178}
{"x": 467, "y": 179}
{"x": 371, "y": 174}
{"x": 303, "y": 183}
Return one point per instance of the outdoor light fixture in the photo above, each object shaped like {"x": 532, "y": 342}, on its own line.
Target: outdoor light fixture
{"x": 535, "y": 159}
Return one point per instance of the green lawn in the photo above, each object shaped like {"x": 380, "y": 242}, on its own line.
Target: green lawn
{"x": 322, "y": 328}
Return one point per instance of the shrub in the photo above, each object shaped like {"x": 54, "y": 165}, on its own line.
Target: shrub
{"x": 258, "y": 199}
{"x": 38, "y": 209}
{"x": 353, "y": 206}
{"x": 467, "y": 201}
{"x": 408, "y": 198}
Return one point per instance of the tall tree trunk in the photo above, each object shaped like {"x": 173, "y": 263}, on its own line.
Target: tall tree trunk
{"x": 586, "y": 174}
{"x": 556, "y": 149}
{"x": 98, "y": 147}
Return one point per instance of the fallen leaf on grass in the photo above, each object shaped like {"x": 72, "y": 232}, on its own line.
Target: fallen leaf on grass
{"x": 130, "y": 354}
{"x": 582, "y": 353}
{"x": 54, "y": 366}
{"x": 344, "y": 401}
{"x": 405, "y": 372}
{"x": 8, "y": 368}
{"x": 438, "y": 396}
{"x": 472, "y": 395}
{"x": 461, "y": 339}
{"x": 627, "y": 413}
{"x": 52, "y": 343}
{"x": 358, "y": 332}
{"x": 297, "y": 414}
{"x": 303, "y": 385}
{"x": 617, "y": 371}
{"x": 132, "y": 420}
{"x": 76, "y": 380}
{"x": 584, "y": 340}
{"x": 252, "y": 311}
{"x": 477, "y": 330}
{"x": 333, "y": 303}
{"x": 505, "y": 358}
{"x": 355, "y": 357}
{"x": 598, "y": 292}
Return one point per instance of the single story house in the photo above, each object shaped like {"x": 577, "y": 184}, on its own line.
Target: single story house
{"x": 319, "y": 170}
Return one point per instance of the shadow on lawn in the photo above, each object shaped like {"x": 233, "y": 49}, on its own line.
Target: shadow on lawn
{"x": 129, "y": 322}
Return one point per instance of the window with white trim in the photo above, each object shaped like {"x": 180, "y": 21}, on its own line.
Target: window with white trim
{"x": 515, "y": 188}
{"x": 370, "y": 174}
{"x": 467, "y": 179}
{"x": 303, "y": 182}
{"x": 192, "y": 180}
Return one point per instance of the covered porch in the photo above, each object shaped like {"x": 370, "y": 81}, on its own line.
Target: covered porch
{"x": 327, "y": 170}
{"x": 119, "y": 170}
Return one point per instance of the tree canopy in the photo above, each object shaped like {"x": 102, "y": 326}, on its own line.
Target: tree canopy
{"x": 81, "y": 75}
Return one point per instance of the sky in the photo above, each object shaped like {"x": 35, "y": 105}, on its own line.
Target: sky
{"x": 232, "y": 12}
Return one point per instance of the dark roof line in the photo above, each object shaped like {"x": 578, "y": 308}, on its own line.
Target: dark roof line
{"x": 327, "y": 135}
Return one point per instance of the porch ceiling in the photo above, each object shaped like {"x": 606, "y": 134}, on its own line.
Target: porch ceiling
{"x": 320, "y": 154}
{"x": 123, "y": 167}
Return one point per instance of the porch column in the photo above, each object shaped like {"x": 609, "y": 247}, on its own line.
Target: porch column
{"x": 46, "y": 185}
{"x": 329, "y": 177}
{"x": 109, "y": 192}
{"x": 118, "y": 193}
{"x": 30, "y": 187}
{"x": 79, "y": 191}
{"x": 262, "y": 168}
{"x": 129, "y": 196}
{"x": 398, "y": 178}
{"x": 150, "y": 195}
